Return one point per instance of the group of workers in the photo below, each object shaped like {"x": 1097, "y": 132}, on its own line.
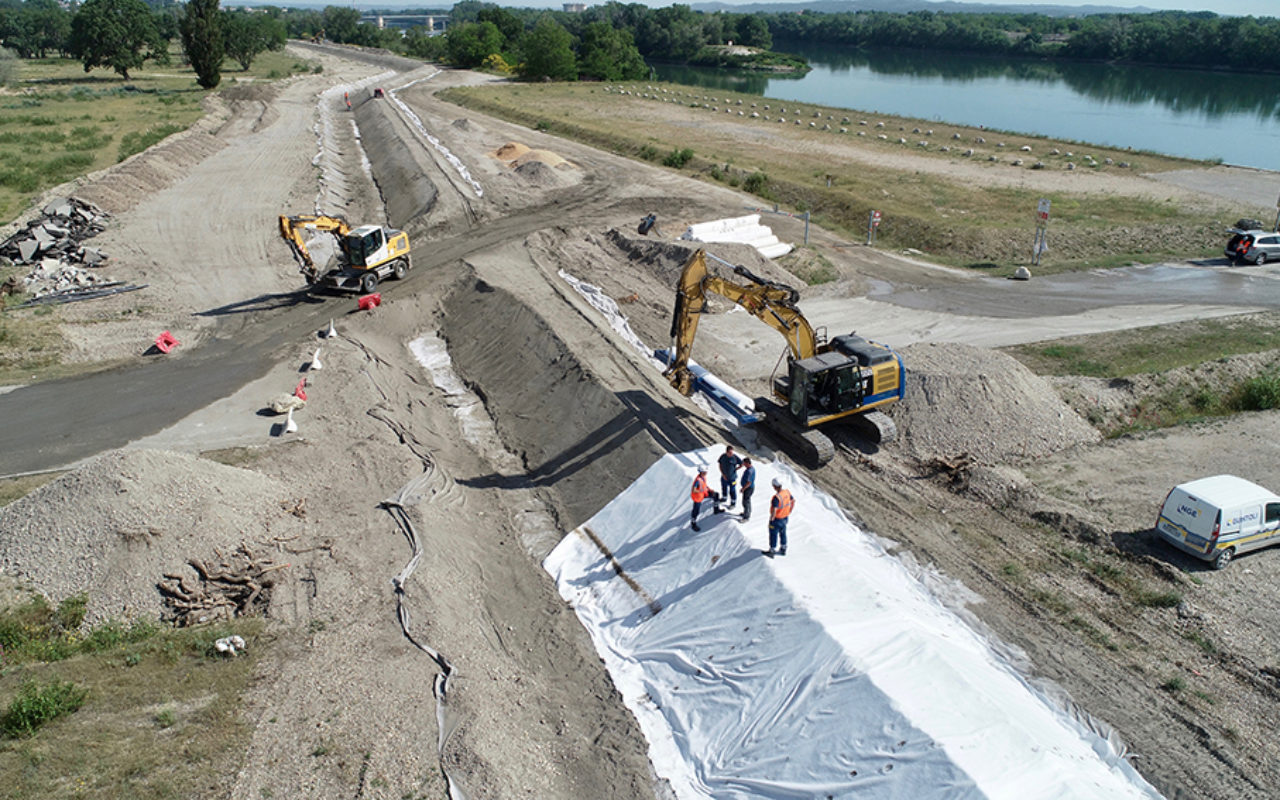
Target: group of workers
{"x": 780, "y": 507}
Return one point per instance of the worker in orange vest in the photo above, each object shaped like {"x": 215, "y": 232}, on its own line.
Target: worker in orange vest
{"x": 780, "y": 509}
{"x": 699, "y": 493}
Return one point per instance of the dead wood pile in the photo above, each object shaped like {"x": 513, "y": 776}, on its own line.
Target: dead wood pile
{"x": 238, "y": 586}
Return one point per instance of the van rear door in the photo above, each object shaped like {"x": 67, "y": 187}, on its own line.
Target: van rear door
{"x": 1188, "y": 519}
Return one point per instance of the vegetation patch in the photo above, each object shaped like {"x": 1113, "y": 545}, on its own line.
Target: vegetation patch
{"x": 1118, "y": 354}
{"x": 727, "y": 57}
{"x": 120, "y": 710}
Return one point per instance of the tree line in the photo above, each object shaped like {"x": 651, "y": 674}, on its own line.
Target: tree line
{"x": 611, "y": 41}
{"x": 122, "y": 35}
{"x": 1194, "y": 39}
{"x": 604, "y": 42}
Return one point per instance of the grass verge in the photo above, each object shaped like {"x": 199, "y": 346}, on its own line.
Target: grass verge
{"x": 1117, "y": 354}
{"x": 841, "y": 177}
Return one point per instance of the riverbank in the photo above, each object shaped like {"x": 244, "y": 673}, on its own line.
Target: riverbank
{"x": 962, "y": 196}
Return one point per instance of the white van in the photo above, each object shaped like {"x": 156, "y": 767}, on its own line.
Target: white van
{"x": 1217, "y": 518}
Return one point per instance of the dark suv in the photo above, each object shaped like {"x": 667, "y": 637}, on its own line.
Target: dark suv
{"x": 1253, "y": 246}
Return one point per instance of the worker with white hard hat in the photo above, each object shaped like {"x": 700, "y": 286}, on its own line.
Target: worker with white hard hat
{"x": 780, "y": 509}
{"x": 698, "y": 494}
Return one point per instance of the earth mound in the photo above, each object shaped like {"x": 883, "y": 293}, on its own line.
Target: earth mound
{"x": 114, "y": 526}
{"x": 966, "y": 400}
{"x": 537, "y": 173}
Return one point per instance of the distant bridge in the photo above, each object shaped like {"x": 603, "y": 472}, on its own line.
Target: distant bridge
{"x": 432, "y": 22}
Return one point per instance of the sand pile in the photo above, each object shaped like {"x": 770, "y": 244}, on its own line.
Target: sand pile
{"x": 545, "y": 156}
{"x": 113, "y": 527}
{"x": 509, "y": 152}
{"x": 962, "y": 399}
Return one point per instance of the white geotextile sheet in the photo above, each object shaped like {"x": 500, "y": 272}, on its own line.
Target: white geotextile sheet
{"x": 830, "y": 672}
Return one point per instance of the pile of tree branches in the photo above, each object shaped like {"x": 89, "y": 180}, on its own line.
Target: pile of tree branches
{"x": 238, "y": 586}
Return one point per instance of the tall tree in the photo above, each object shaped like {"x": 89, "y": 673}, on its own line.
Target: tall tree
{"x": 609, "y": 54}
{"x": 115, "y": 33}
{"x": 246, "y": 34}
{"x": 45, "y": 25}
{"x": 470, "y": 43}
{"x": 548, "y": 52}
{"x": 201, "y": 30}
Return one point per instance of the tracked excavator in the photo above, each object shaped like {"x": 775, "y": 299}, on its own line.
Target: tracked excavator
{"x": 366, "y": 254}
{"x": 848, "y": 378}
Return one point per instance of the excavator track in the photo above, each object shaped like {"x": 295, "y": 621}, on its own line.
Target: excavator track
{"x": 808, "y": 445}
{"x": 875, "y": 426}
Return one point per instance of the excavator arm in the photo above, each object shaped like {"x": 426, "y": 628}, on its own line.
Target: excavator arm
{"x": 769, "y": 301}
{"x": 291, "y": 230}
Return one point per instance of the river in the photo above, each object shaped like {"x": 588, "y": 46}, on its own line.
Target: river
{"x": 1234, "y": 118}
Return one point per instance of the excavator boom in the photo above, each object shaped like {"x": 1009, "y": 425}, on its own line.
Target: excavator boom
{"x": 825, "y": 382}
{"x": 769, "y": 301}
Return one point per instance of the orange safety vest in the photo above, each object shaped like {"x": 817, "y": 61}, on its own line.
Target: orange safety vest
{"x": 782, "y": 504}
{"x": 700, "y": 490}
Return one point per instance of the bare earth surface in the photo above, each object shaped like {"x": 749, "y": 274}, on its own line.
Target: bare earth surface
{"x": 997, "y": 482}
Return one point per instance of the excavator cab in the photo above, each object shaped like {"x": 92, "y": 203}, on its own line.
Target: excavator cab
{"x": 824, "y": 385}
{"x": 363, "y": 244}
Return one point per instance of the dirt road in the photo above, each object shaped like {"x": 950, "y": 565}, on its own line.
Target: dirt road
{"x": 549, "y": 413}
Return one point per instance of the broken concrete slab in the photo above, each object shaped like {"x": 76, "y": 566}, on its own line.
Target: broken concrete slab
{"x": 27, "y": 249}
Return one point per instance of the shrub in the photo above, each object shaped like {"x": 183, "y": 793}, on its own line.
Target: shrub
{"x": 36, "y": 704}
{"x": 1259, "y": 393}
{"x": 756, "y": 183}
{"x": 677, "y": 158}
{"x": 649, "y": 153}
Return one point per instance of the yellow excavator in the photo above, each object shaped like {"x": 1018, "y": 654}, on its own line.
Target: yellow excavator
{"x": 847, "y": 378}
{"x": 366, "y": 254}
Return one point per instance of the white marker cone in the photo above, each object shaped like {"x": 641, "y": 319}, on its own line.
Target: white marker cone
{"x": 329, "y": 334}
{"x": 315, "y": 361}
{"x": 289, "y": 425}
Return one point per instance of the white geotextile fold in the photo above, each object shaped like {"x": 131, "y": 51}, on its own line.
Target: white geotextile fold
{"x": 830, "y": 672}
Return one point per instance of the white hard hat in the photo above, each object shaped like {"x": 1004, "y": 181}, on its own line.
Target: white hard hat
{"x": 702, "y": 468}
{"x": 777, "y": 484}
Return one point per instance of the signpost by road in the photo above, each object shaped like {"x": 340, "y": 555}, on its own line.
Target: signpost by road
{"x": 1042, "y": 230}
{"x": 873, "y": 222}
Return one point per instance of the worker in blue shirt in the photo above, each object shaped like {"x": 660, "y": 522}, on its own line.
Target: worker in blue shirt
{"x": 748, "y": 486}
{"x": 729, "y": 463}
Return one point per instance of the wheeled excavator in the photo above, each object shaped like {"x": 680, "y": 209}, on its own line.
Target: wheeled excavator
{"x": 848, "y": 378}
{"x": 366, "y": 254}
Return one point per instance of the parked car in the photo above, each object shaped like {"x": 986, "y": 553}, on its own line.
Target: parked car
{"x": 1252, "y": 246}
{"x": 1217, "y": 518}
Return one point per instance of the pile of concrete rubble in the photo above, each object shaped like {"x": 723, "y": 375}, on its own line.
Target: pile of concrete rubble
{"x": 53, "y": 244}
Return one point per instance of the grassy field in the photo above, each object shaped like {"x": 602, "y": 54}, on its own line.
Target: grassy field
{"x": 801, "y": 168}
{"x": 119, "y": 711}
{"x": 58, "y": 122}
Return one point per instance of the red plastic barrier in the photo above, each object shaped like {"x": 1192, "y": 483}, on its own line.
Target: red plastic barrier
{"x": 300, "y": 391}
{"x": 369, "y": 301}
{"x": 165, "y": 342}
